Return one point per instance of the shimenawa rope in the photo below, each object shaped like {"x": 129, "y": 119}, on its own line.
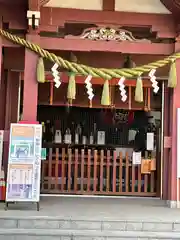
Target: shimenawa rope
{"x": 87, "y": 70}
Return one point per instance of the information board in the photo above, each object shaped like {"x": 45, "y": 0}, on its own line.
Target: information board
{"x": 24, "y": 163}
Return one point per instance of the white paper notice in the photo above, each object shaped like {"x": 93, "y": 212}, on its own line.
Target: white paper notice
{"x": 150, "y": 142}
{"x": 136, "y": 158}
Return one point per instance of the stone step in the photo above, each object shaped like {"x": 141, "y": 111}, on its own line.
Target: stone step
{"x": 45, "y": 234}
{"x": 43, "y": 222}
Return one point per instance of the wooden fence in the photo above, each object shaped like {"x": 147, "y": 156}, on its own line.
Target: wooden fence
{"x": 74, "y": 171}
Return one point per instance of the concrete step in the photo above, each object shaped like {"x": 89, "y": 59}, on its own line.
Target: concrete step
{"x": 44, "y": 234}
{"x": 55, "y": 223}
{"x": 55, "y": 228}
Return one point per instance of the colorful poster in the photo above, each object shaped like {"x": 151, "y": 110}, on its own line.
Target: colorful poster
{"x": 24, "y": 163}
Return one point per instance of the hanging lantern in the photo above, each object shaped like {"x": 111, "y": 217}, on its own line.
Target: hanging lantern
{"x": 128, "y": 63}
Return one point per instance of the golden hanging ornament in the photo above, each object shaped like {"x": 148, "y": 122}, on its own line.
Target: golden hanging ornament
{"x": 105, "y": 98}
{"x": 40, "y": 71}
{"x": 139, "y": 90}
{"x": 172, "y": 79}
{"x": 71, "y": 91}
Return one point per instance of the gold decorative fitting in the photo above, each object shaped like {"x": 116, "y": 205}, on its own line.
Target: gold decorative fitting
{"x": 110, "y": 34}
{"x": 33, "y": 18}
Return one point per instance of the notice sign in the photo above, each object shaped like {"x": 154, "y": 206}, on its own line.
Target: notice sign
{"x": 24, "y": 163}
{"x": 150, "y": 141}
{"x": 136, "y": 159}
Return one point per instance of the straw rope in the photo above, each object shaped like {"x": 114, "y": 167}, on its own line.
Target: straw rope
{"x": 87, "y": 70}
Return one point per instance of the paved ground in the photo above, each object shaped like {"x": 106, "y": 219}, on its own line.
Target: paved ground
{"x": 96, "y": 209}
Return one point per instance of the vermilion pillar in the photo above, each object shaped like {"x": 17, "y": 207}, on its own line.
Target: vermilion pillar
{"x": 30, "y": 95}
{"x": 11, "y": 91}
{"x": 0, "y": 57}
{"x": 2, "y": 90}
{"x": 174, "y": 103}
{"x": 12, "y": 96}
{"x": 166, "y": 153}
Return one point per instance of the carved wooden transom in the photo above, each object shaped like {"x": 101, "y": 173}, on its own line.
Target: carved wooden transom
{"x": 109, "y": 34}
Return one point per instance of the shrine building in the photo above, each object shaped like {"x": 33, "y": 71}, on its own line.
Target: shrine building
{"x": 102, "y": 77}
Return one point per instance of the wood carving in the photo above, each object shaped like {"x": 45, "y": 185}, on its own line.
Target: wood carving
{"x": 108, "y": 34}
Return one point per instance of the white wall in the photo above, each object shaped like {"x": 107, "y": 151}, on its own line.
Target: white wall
{"x": 142, "y": 6}
{"x": 79, "y": 4}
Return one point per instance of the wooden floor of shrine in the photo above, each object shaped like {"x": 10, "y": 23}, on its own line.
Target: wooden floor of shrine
{"x": 94, "y": 208}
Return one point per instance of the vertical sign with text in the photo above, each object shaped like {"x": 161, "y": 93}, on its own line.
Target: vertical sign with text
{"x": 24, "y": 163}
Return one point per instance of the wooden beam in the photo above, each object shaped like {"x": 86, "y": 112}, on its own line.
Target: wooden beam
{"x": 108, "y": 5}
{"x": 54, "y": 16}
{"x": 6, "y": 43}
{"x": 94, "y": 81}
{"x": 101, "y": 46}
{"x": 34, "y": 5}
{"x": 12, "y": 2}
{"x": 15, "y": 16}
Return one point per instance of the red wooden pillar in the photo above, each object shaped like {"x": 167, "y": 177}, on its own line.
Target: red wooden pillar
{"x": 175, "y": 103}
{"x": 11, "y": 92}
{"x": 12, "y": 96}
{"x": 30, "y": 95}
{"x": 2, "y": 89}
{"x": 1, "y": 52}
{"x": 166, "y": 154}
{"x": 2, "y": 99}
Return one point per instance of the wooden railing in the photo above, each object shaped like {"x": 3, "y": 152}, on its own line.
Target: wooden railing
{"x": 67, "y": 171}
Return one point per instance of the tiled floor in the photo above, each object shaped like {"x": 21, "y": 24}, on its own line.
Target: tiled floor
{"x": 95, "y": 209}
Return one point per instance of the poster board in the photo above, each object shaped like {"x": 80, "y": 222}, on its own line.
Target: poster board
{"x": 24, "y": 163}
